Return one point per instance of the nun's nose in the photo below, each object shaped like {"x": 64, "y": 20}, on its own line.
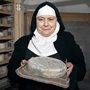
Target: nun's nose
{"x": 46, "y": 23}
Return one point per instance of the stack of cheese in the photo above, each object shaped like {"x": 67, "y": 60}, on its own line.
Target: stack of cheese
{"x": 1, "y": 57}
{"x": 46, "y": 67}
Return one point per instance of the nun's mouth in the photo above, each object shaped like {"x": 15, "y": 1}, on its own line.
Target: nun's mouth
{"x": 46, "y": 29}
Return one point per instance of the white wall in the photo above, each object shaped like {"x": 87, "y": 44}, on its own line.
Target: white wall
{"x": 79, "y": 6}
{"x": 82, "y": 8}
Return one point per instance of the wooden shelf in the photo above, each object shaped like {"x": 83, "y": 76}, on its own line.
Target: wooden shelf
{"x": 6, "y": 50}
{"x": 4, "y": 83}
{"x": 6, "y": 38}
{"x": 3, "y": 71}
{"x": 5, "y": 13}
{"x": 4, "y": 62}
{"x": 3, "y": 75}
{"x": 6, "y": 1}
{"x": 4, "y": 26}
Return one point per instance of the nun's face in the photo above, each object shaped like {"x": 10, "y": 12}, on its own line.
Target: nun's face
{"x": 46, "y": 24}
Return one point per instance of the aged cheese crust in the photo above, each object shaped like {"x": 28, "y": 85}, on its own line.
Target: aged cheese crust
{"x": 47, "y": 67}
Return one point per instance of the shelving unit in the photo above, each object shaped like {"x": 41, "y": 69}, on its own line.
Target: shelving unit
{"x": 6, "y": 38}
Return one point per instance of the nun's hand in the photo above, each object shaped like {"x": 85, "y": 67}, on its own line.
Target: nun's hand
{"x": 23, "y": 62}
{"x": 69, "y": 68}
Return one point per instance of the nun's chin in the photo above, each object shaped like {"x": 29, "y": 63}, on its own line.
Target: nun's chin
{"x": 46, "y": 34}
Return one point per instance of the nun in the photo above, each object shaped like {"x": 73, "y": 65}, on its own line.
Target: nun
{"x": 48, "y": 38}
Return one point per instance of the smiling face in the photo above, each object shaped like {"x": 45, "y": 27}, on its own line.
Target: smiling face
{"x": 46, "y": 24}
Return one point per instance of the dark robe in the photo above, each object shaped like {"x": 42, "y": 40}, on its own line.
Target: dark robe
{"x": 67, "y": 49}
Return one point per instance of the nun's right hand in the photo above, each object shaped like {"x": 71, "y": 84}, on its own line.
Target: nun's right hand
{"x": 23, "y": 62}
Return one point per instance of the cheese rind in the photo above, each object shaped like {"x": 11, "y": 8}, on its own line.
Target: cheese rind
{"x": 46, "y": 67}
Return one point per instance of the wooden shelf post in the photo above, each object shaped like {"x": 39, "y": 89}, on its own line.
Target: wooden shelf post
{"x": 19, "y": 19}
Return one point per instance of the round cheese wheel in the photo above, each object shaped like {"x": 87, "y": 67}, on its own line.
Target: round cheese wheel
{"x": 46, "y": 67}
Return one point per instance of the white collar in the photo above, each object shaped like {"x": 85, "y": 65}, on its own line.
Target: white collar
{"x": 43, "y": 46}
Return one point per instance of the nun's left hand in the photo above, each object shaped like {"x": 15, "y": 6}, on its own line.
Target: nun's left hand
{"x": 23, "y": 62}
{"x": 69, "y": 68}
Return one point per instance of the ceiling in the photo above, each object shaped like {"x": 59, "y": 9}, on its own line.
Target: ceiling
{"x": 63, "y": 5}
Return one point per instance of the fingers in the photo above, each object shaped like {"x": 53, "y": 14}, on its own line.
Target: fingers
{"x": 69, "y": 68}
{"x": 23, "y": 62}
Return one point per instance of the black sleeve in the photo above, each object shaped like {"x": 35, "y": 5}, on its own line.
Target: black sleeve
{"x": 18, "y": 54}
{"x": 77, "y": 58}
